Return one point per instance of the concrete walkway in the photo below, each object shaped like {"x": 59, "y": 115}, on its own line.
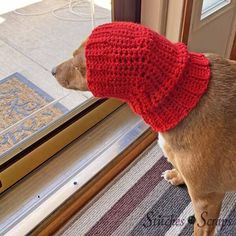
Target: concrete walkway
{"x": 32, "y": 45}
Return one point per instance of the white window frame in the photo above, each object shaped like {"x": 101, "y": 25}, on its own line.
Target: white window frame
{"x": 214, "y": 8}
{"x": 198, "y": 21}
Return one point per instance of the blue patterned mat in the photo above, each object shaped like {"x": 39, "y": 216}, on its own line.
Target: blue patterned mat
{"x": 24, "y": 110}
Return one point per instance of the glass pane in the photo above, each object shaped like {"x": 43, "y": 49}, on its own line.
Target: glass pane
{"x": 35, "y": 36}
{"x": 212, "y": 6}
{"x": 210, "y": 3}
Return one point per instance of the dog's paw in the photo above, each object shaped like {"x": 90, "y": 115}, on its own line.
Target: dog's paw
{"x": 173, "y": 177}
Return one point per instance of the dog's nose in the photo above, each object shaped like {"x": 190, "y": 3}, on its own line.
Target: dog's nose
{"x": 54, "y": 70}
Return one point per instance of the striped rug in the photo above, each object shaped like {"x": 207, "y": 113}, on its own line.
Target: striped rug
{"x": 140, "y": 202}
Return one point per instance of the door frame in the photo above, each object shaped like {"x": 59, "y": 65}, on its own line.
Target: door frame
{"x": 233, "y": 50}
{"x": 123, "y": 10}
{"x": 186, "y": 20}
{"x": 154, "y": 15}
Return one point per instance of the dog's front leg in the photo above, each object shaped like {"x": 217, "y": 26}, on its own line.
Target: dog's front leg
{"x": 207, "y": 209}
{"x": 173, "y": 176}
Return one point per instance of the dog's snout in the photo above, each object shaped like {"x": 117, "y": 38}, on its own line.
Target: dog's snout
{"x": 54, "y": 70}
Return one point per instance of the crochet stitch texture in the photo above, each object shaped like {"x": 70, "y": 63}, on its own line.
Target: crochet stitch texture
{"x": 161, "y": 81}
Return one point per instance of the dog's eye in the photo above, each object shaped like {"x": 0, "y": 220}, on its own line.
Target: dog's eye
{"x": 76, "y": 67}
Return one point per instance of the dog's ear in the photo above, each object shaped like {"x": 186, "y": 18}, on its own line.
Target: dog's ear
{"x": 79, "y": 60}
{"x": 81, "y": 49}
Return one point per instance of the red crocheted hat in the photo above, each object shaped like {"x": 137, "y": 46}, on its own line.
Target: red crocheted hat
{"x": 161, "y": 81}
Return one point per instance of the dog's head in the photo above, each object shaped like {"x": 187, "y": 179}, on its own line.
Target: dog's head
{"x": 71, "y": 74}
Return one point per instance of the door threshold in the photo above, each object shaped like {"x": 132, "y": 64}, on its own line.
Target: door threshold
{"x": 47, "y": 198}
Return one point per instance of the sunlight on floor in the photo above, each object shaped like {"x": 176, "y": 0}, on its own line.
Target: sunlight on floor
{"x": 103, "y": 3}
{"x": 1, "y": 20}
{"x": 11, "y": 5}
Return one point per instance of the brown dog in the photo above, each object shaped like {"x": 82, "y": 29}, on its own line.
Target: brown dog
{"x": 202, "y": 148}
